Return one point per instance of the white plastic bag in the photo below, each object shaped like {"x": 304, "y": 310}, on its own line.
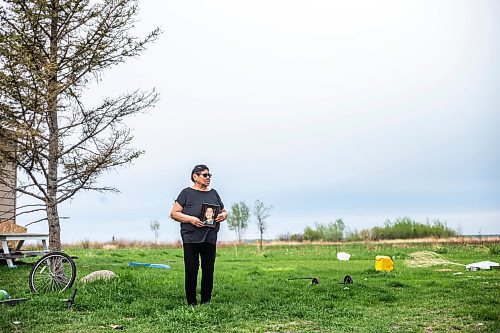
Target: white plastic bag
{"x": 343, "y": 256}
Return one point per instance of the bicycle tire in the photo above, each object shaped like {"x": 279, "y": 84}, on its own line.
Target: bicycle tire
{"x": 54, "y": 272}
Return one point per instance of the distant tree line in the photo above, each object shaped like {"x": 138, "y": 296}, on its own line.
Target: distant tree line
{"x": 401, "y": 228}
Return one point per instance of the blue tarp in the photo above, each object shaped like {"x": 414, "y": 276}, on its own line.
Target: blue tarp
{"x": 149, "y": 265}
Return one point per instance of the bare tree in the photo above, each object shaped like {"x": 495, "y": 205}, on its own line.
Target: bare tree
{"x": 261, "y": 212}
{"x": 238, "y": 219}
{"x": 50, "y": 51}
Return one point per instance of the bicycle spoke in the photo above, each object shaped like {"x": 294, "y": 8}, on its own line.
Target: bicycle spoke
{"x": 56, "y": 272}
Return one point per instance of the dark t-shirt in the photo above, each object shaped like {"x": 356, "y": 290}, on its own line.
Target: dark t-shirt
{"x": 191, "y": 201}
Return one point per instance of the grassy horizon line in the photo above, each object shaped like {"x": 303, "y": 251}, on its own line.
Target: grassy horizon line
{"x": 127, "y": 243}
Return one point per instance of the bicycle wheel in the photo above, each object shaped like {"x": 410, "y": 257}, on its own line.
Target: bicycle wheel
{"x": 55, "y": 271}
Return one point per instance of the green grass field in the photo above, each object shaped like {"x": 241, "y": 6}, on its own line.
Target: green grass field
{"x": 253, "y": 293}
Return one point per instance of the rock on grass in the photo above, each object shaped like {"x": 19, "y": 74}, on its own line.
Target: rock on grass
{"x": 98, "y": 275}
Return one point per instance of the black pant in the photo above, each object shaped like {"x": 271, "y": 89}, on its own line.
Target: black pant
{"x": 192, "y": 253}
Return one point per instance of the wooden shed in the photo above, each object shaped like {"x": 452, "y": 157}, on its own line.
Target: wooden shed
{"x": 7, "y": 186}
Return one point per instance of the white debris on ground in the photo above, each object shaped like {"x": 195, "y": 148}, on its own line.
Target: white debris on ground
{"x": 98, "y": 275}
{"x": 343, "y": 256}
{"x": 482, "y": 265}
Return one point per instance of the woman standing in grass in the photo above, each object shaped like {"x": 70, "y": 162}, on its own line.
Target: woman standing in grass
{"x": 198, "y": 240}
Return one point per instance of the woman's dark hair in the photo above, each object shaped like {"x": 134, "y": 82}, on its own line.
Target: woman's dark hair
{"x": 197, "y": 169}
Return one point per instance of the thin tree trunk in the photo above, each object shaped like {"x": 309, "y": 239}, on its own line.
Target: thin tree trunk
{"x": 51, "y": 201}
{"x": 54, "y": 228}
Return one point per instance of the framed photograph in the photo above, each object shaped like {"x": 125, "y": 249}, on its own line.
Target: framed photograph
{"x": 209, "y": 213}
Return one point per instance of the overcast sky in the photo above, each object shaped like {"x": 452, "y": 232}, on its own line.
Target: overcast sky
{"x": 361, "y": 110}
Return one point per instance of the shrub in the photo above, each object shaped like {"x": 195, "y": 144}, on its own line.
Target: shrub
{"x": 406, "y": 228}
{"x": 297, "y": 237}
{"x": 287, "y": 237}
{"x": 332, "y": 232}
{"x": 353, "y": 236}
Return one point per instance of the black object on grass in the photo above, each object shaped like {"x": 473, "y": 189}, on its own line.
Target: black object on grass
{"x": 13, "y": 301}
{"x": 348, "y": 279}
{"x": 314, "y": 280}
{"x": 71, "y": 300}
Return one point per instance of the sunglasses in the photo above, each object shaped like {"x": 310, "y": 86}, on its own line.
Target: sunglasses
{"x": 206, "y": 175}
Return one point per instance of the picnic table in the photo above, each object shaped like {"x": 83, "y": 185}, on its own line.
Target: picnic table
{"x": 10, "y": 254}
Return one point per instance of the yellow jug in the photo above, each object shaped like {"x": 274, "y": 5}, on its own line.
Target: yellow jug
{"x": 384, "y": 263}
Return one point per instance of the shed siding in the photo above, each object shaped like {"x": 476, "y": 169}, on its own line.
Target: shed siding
{"x": 7, "y": 194}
